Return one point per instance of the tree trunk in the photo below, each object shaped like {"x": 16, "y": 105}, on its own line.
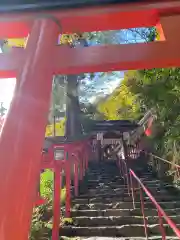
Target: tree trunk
{"x": 73, "y": 125}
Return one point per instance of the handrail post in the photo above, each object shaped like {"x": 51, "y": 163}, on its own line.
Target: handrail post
{"x": 76, "y": 180}
{"x": 120, "y": 167}
{"x": 81, "y": 166}
{"x": 143, "y": 212}
{"x": 68, "y": 187}
{"x": 132, "y": 190}
{"x": 123, "y": 173}
{"x": 84, "y": 163}
{"x": 56, "y": 203}
{"x": 127, "y": 178}
{"x": 86, "y": 156}
{"x": 161, "y": 226}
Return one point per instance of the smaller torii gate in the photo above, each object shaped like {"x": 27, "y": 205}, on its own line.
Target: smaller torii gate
{"x": 107, "y": 131}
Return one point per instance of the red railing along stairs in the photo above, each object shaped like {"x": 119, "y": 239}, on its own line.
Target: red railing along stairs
{"x": 118, "y": 202}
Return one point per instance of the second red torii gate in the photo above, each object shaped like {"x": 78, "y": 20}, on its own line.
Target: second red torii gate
{"x": 23, "y": 132}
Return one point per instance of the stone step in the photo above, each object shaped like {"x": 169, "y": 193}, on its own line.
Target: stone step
{"x": 125, "y": 189}
{"x": 119, "y": 178}
{"x": 160, "y": 187}
{"x": 105, "y": 183}
{"x": 125, "y": 205}
{"x": 103, "y": 176}
{"x": 112, "y": 193}
{"x": 117, "y": 199}
{"x": 118, "y": 220}
{"x": 105, "y": 213}
{"x": 121, "y": 212}
{"x": 106, "y": 210}
{"x": 130, "y": 230}
{"x": 118, "y": 238}
{"x": 122, "y": 185}
{"x": 116, "y": 177}
{"x": 103, "y": 173}
{"x": 104, "y": 179}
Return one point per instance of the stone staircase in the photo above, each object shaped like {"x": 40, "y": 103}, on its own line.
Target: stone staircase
{"x": 104, "y": 210}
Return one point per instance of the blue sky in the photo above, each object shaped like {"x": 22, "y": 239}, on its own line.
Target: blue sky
{"x": 99, "y": 86}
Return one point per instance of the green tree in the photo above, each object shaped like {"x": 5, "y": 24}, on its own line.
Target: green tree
{"x": 121, "y": 104}
{"x": 160, "y": 89}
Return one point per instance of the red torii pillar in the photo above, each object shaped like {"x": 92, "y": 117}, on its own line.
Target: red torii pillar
{"x": 23, "y": 133}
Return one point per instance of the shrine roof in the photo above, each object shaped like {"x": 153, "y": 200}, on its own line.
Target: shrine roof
{"x": 114, "y": 125}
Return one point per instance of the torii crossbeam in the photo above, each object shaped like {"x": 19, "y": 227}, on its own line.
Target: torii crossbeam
{"x": 164, "y": 53}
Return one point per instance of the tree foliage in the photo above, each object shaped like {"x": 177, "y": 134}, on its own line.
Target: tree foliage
{"x": 122, "y": 104}
{"x": 142, "y": 90}
{"x": 160, "y": 89}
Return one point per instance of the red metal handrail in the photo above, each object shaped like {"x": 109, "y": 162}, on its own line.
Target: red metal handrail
{"x": 76, "y": 155}
{"x": 153, "y": 200}
{"x": 128, "y": 175}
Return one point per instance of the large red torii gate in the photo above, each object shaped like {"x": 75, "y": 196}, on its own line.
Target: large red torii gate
{"x": 23, "y": 132}
{"x": 101, "y": 58}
